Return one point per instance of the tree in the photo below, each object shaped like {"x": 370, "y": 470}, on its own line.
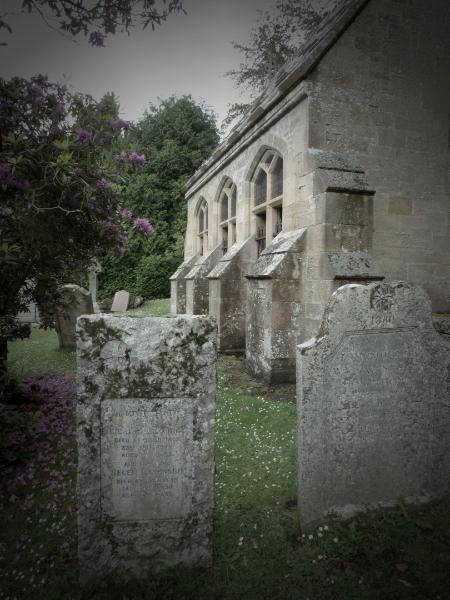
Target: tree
{"x": 277, "y": 36}
{"x": 176, "y": 136}
{"x": 100, "y": 18}
{"x": 60, "y": 206}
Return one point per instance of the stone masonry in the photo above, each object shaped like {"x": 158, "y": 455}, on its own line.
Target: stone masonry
{"x": 145, "y": 421}
{"x": 228, "y": 295}
{"x": 359, "y": 122}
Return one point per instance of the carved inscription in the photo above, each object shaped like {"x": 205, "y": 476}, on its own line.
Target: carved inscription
{"x": 146, "y": 471}
{"x": 376, "y": 384}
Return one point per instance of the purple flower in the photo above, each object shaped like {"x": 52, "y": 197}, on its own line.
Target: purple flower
{"x": 60, "y": 108}
{"x": 118, "y": 123}
{"x": 121, "y": 157}
{"x": 102, "y": 184}
{"x": 97, "y": 39}
{"x": 143, "y": 225}
{"x": 126, "y": 214}
{"x": 84, "y": 137}
{"x": 35, "y": 89}
{"x": 39, "y": 101}
{"x": 137, "y": 159}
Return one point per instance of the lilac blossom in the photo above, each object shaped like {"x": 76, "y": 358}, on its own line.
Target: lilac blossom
{"x": 118, "y": 123}
{"x": 137, "y": 159}
{"x": 121, "y": 157}
{"x": 35, "y": 89}
{"x": 102, "y": 184}
{"x": 143, "y": 225}
{"x": 84, "y": 137}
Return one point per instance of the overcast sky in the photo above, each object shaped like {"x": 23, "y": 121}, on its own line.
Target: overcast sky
{"x": 188, "y": 54}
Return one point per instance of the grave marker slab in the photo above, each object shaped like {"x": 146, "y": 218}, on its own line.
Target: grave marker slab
{"x": 146, "y": 402}
{"x": 373, "y": 404}
{"x": 121, "y": 301}
{"x": 76, "y": 301}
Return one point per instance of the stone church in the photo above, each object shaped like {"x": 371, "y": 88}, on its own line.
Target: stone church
{"x": 338, "y": 174}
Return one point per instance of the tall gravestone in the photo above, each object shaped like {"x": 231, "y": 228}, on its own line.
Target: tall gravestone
{"x": 145, "y": 419}
{"x": 373, "y": 404}
{"x": 75, "y": 301}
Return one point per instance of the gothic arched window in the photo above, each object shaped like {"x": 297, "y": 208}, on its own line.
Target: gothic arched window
{"x": 227, "y": 214}
{"x": 202, "y": 227}
{"x": 268, "y": 198}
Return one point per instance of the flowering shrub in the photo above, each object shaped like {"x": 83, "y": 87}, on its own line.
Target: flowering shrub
{"x": 98, "y": 19}
{"x": 61, "y": 206}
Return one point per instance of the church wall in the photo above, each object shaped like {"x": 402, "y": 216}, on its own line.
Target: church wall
{"x": 382, "y": 93}
{"x": 289, "y": 137}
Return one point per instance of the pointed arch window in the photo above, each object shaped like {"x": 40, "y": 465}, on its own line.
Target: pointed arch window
{"x": 268, "y": 198}
{"x": 227, "y": 215}
{"x": 202, "y": 227}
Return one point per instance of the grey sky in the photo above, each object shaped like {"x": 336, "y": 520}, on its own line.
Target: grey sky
{"x": 188, "y": 54}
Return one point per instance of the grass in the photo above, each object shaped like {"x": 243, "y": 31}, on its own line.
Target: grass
{"x": 259, "y": 550}
{"x": 39, "y": 356}
{"x": 156, "y": 308}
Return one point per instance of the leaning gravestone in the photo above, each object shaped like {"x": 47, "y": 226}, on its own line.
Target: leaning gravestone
{"x": 145, "y": 418}
{"x": 121, "y": 301}
{"x": 75, "y": 301}
{"x": 373, "y": 404}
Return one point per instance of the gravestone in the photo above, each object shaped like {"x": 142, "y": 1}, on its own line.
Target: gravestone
{"x": 373, "y": 404}
{"x": 93, "y": 273}
{"x": 75, "y": 301}
{"x": 121, "y": 301}
{"x": 145, "y": 418}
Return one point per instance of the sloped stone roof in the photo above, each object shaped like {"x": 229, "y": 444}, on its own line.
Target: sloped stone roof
{"x": 337, "y": 16}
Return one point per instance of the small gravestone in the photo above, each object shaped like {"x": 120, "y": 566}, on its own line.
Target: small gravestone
{"x": 121, "y": 301}
{"x": 75, "y": 301}
{"x": 373, "y": 404}
{"x": 146, "y": 402}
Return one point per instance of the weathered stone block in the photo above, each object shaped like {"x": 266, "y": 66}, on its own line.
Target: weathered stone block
{"x": 145, "y": 419}
{"x": 373, "y": 404}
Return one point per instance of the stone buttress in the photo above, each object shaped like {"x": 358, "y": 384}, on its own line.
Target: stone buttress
{"x": 228, "y": 295}
{"x": 197, "y": 283}
{"x": 292, "y": 280}
{"x": 178, "y": 286}
{"x": 275, "y": 308}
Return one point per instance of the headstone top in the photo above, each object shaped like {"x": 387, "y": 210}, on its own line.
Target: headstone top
{"x": 377, "y": 305}
{"x": 121, "y": 301}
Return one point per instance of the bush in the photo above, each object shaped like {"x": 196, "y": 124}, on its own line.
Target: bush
{"x": 152, "y": 277}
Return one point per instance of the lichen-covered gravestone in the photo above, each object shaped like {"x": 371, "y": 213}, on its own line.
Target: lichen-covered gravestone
{"x": 145, "y": 418}
{"x": 373, "y": 397}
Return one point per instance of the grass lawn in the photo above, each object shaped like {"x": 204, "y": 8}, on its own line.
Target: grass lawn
{"x": 259, "y": 551}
